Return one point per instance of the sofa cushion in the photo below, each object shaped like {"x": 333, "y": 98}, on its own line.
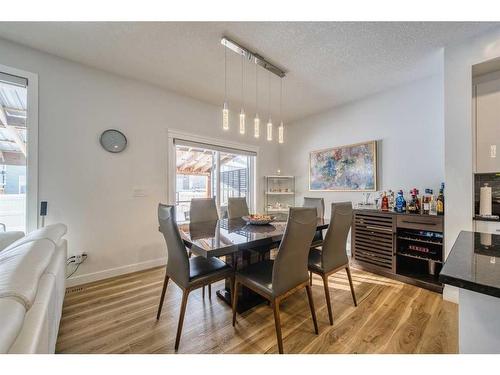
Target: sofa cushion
{"x": 12, "y": 317}
{"x": 21, "y": 269}
{"x": 7, "y": 238}
{"x": 53, "y": 232}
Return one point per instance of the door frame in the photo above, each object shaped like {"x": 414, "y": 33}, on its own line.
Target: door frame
{"x": 172, "y": 134}
{"x": 32, "y": 145}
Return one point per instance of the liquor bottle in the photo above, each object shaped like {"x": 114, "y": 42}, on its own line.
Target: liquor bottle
{"x": 385, "y": 202}
{"x": 414, "y": 204}
{"x": 392, "y": 200}
{"x": 426, "y": 202}
{"x": 433, "y": 206}
{"x": 400, "y": 202}
{"x": 440, "y": 201}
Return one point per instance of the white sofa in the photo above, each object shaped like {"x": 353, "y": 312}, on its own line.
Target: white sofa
{"x": 32, "y": 288}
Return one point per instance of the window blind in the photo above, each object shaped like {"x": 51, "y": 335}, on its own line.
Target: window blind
{"x": 13, "y": 80}
{"x": 229, "y": 150}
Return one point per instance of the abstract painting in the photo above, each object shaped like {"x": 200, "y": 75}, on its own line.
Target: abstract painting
{"x": 345, "y": 168}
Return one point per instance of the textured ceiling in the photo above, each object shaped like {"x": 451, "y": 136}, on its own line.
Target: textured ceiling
{"x": 328, "y": 63}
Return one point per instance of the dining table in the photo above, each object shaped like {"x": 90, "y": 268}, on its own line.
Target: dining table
{"x": 240, "y": 243}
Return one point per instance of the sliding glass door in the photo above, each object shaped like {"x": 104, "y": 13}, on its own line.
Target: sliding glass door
{"x": 13, "y": 151}
{"x": 195, "y": 177}
{"x": 234, "y": 176}
{"x": 205, "y": 171}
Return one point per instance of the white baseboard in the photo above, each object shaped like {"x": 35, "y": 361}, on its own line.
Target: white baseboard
{"x": 111, "y": 272}
{"x": 450, "y": 293}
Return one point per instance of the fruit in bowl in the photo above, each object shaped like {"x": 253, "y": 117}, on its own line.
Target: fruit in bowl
{"x": 258, "y": 219}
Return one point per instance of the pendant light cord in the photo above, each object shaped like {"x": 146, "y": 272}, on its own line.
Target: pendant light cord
{"x": 225, "y": 74}
{"x": 269, "y": 96}
{"x": 281, "y": 98}
{"x": 242, "y": 66}
{"x": 256, "y": 89}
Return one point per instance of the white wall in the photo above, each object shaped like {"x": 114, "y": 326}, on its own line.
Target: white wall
{"x": 408, "y": 123}
{"x": 458, "y": 61}
{"x": 91, "y": 190}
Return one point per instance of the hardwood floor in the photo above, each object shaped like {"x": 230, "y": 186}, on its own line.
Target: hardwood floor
{"x": 119, "y": 316}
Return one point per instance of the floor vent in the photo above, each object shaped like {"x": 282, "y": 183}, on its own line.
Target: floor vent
{"x": 74, "y": 290}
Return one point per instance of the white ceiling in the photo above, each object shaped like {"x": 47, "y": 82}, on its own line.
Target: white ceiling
{"x": 328, "y": 63}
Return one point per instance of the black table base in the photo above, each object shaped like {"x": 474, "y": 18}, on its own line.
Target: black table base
{"x": 245, "y": 303}
{"x": 247, "y": 298}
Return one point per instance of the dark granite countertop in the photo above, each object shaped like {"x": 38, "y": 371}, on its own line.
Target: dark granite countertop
{"x": 474, "y": 263}
{"x": 482, "y": 218}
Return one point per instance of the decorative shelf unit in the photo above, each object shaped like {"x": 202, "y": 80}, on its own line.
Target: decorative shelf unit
{"x": 279, "y": 195}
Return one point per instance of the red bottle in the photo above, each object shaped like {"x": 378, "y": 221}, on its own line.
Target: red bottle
{"x": 385, "y": 202}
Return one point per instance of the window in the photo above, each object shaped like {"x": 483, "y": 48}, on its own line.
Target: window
{"x": 13, "y": 151}
{"x": 206, "y": 171}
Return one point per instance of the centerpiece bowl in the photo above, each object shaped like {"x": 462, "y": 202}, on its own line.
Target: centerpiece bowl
{"x": 258, "y": 219}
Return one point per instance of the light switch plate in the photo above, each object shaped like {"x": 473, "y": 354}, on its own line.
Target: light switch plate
{"x": 139, "y": 193}
{"x": 493, "y": 151}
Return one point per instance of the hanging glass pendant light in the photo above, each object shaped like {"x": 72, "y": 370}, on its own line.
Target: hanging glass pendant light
{"x": 269, "y": 130}
{"x": 281, "y": 128}
{"x": 242, "y": 121}
{"x": 256, "y": 126}
{"x": 270, "y": 121}
{"x": 242, "y": 113}
{"x": 225, "y": 109}
{"x": 256, "y": 120}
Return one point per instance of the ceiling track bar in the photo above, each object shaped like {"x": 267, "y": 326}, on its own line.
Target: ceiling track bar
{"x": 252, "y": 56}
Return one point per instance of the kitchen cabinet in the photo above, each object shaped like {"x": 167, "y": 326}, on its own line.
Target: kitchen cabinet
{"x": 487, "y": 126}
{"x": 487, "y": 226}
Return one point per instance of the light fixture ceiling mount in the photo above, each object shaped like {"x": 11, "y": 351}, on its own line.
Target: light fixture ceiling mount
{"x": 252, "y": 56}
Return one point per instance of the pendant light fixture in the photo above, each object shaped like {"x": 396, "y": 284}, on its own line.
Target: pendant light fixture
{"x": 225, "y": 109}
{"x": 242, "y": 113}
{"x": 258, "y": 60}
{"x": 256, "y": 120}
{"x": 281, "y": 128}
{"x": 270, "y": 121}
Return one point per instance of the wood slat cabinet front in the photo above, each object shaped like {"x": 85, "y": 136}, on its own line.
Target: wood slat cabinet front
{"x": 373, "y": 240}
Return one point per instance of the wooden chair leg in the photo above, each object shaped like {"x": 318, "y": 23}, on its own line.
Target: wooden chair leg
{"x": 165, "y": 284}
{"x": 277, "y": 323}
{"x": 310, "y": 278}
{"x": 203, "y": 292}
{"x": 327, "y": 296}
{"x": 235, "y": 300}
{"x": 209, "y": 291}
{"x": 231, "y": 288}
{"x": 348, "y": 270}
{"x": 185, "y": 295}
{"x": 311, "y": 306}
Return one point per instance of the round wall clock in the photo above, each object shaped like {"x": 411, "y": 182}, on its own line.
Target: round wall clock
{"x": 113, "y": 140}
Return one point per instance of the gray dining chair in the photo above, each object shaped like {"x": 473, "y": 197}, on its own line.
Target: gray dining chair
{"x": 276, "y": 280}
{"x": 223, "y": 212}
{"x": 319, "y": 205}
{"x": 333, "y": 255}
{"x": 187, "y": 273}
{"x": 237, "y": 207}
{"x": 202, "y": 210}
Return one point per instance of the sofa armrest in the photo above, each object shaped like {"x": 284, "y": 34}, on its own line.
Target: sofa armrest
{"x": 6, "y": 238}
